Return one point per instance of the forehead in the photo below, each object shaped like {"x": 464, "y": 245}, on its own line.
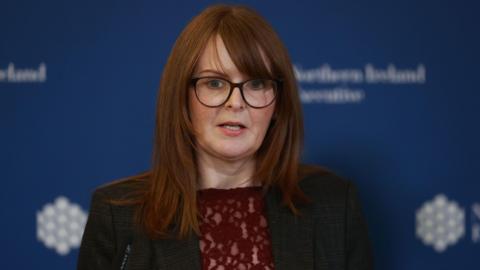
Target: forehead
{"x": 216, "y": 57}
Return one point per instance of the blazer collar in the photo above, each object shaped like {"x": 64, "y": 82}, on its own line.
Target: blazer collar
{"x": 291, "y": 241}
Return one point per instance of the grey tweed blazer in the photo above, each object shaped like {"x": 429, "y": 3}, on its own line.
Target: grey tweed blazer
{"x": 331, "y": 235}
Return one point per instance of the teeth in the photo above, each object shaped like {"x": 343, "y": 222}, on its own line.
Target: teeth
{"x": 232, "y": 127}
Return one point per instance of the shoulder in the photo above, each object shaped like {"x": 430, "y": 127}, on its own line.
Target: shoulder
{"x": 322, "y": 185}
{"x": 122, "y": 189}
{"x": 110, "y": 225}
{"x": 118, "y": 199}
{"x": 340, "y": 224}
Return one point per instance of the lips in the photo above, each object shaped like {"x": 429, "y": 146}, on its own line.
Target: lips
{"x": 232, "y": 128}
{"x": 232, "y": 124}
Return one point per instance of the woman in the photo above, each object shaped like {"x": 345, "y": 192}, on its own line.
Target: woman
{"x": 226, "y": 190}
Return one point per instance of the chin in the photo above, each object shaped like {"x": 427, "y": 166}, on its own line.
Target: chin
{"x": 234, "y": 153}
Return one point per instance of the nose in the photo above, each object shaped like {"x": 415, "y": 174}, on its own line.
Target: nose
{"x": 235, "y": 101}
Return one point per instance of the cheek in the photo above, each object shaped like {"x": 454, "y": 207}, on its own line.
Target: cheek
{"x": 193, "y": 108}
{"x": 263, "y": 118}
{"x": 199, "y": 114}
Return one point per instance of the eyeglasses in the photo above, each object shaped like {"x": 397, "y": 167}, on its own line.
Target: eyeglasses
{"x": 214, "y": 92}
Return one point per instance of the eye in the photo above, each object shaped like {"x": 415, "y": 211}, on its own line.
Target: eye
{"x": 257, "y": 84}
{"x": 215, "y": 83}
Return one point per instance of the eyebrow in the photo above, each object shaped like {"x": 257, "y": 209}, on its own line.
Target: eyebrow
{"x": 213, "y": 71}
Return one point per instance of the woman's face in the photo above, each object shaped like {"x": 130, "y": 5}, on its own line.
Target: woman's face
{"x": 213, "y": 138}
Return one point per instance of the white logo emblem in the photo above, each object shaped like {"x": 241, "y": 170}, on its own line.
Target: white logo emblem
{"x": 440, "y": 223}
{"x": 60, "y": 225}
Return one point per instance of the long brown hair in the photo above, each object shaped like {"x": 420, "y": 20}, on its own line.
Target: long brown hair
{"x": 168, "y": 195}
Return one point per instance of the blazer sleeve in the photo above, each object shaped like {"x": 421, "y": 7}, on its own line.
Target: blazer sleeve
{"x": 358, "y": 246}
{"x": 98, "y": 241}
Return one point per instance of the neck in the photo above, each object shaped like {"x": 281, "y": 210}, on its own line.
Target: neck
{"x": 219, "y": 173}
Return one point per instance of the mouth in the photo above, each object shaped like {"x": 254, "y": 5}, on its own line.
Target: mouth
{"x": 232, "y": 125}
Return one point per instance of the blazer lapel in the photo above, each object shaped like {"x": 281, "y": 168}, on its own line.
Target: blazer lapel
{"x": 291, "y": 236}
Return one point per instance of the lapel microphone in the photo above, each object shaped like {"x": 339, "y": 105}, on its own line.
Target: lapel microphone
{"x": 128, "y": 249}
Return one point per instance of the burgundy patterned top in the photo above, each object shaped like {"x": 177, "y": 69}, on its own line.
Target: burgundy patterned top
{"x": 234, "y": 229}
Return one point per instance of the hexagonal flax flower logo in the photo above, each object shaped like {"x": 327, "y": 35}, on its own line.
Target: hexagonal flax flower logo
{"x": 440, "y": 223}
{"x": 60, "y": 225}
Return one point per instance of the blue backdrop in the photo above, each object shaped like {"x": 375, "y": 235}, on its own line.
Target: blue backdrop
{"x": 389, "y": 91}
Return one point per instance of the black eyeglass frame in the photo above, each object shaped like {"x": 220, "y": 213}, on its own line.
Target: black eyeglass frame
{"x": 278, "y": 82}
